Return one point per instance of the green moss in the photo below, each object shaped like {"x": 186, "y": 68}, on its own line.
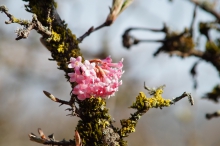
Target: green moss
{"x": 212, "y": 48}
{"x": 123, "y": 143}
{"x": 55, "y": 5}
{"x": 62, "y": 43}
{"x": 95, "y": 119}
{"x": 186, "y": 44}
{"x": 182, "y": 43}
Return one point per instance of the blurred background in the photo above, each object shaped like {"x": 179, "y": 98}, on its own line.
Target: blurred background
{"x": 25, "y": 72}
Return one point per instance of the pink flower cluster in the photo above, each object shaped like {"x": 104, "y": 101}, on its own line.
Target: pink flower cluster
{"x": 97, "y": 78}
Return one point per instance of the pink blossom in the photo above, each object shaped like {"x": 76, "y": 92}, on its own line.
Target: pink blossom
{"x": 95, "y": 78}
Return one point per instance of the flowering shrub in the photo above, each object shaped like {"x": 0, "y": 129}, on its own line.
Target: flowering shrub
{"x": 92, "y": 80}
{"x": 95, "y": 78}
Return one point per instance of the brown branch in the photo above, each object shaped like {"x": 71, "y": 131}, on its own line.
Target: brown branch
{"x": 193, "y": 72}
{"x": 171, "y": 39}
{"x": 164, "y": 29}
{"x": 213, "y": 115}
{"x": 215, "y": 60}
{"x": 190, "y": 98}
{"x": 23, "y": 33}
{"x": 91, "y": 30}
{"x": 152, "y": 91}
{"x": 196, "y": 53}
{"x": 71, "y": 103}
{"x": 214, "y": 95}
{"x": 50, "y": 140}
{"x": 207, "y": 9}
{"x": 12, "y": 19}
{"x": 115, "y": 10}
{"x": 129, "y": 40}
{"x": 193, "y": 21}
{"x": 55, "y": 99}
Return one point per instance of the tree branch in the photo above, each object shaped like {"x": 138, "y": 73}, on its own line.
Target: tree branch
{"x": 190, "y": 98}
{"x": 213, "y": 115}
{"x": 23, "y": 33}
{"x": 207, "y": 9}
{"x": 50, "y": 140}
{"x": 55, "y": 99}
{"x": 74, "y": 109}
{"x": 91, "y": 30}
{"x": 144, "y": 103}
{"x": 193, "y": 20}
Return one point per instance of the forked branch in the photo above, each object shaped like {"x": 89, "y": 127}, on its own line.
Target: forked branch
{"x": 23, "y": 33}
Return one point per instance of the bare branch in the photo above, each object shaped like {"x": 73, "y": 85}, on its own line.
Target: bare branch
{"x": 129, "y": 40}
{"x": 214, "y": 95}
{"x": 92, "y": 29}
{"x": 152, "y": 91}
{"x": 49, "y": 141}
{"x": 213, "y": 115}
{"x": 193, "y": 72}
{"x": 55, "y": 99}
{"x": 194, "y": 52}
{"x": 75, "y": 111}
{"x": 190, "y": 98}
{"x": 207, "y": 9}
{"x": 117, "y": 7}
{"x": 23, "y": 33}
{"x": 193, "y": 21}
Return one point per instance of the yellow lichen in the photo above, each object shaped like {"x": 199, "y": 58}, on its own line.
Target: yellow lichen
{"x": 128, "y": 126}
{"x": 60, "y": 48}
{"x": 49, "y": 20}
{"x": 103, "y": 123}
{"x": 143, "y": 103}
{"x": 55, "y": 36}
{"x": 15, "y": 20}
{"x": 96, "y": 119}
{"x": 157, "y": 100}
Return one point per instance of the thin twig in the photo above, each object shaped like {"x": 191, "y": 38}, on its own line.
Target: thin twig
{"x": 91, "y": 29}
{"x": 75, "y": 111}
{"x": 147, "y": 29}
{"x": 152, "y": 91}
{"x": 23, "y": 33}
{"x": 213, "y": 115}
{"x": 182, "y": 96}
{"x": 115, "y": 10}
{"x": 49, "y": 141}
{"x": 129, "y": 40}
{"x": 193, "y": 72}
{"x": 150, "y": 41}
{"x": 55, "y": 99}
{"x": 207, "y": 9}
{"x": 193, "y": 20}
{"x": 12, "y": 19}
